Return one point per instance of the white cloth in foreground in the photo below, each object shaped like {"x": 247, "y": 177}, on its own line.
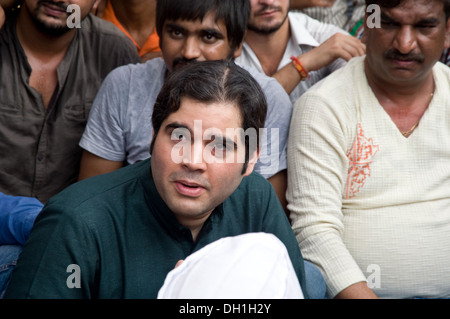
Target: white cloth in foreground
{"x": 249, "y": 266}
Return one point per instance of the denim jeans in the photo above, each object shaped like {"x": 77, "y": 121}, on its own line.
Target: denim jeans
{"x": 8, "y": 259}
{"x": 315, "y": 284}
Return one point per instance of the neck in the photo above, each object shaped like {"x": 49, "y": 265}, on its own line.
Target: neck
{"x": 269, "y": 48}
{"x": 135, "y": 14}
{"x": 39, "y": 43}
{"x": 405, "y": 103}
{"x": 406, "y": 95}
{"x": 195, "y": 224}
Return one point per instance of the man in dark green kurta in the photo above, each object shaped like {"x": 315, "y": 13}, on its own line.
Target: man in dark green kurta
{"x": 118, "y": 235}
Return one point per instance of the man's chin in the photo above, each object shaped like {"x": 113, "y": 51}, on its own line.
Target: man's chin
{"x": 52, "y": 29}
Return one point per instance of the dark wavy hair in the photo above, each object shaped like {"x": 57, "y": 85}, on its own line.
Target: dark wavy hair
{"x": 211, "y": 82}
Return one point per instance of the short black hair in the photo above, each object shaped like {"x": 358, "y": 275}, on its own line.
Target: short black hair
{"x": 395, "y": 3}
{"x": 235, "y": 14}
{"x": 211, "y": 82}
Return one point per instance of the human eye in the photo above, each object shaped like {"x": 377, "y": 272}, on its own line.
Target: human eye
{"x": 221, "y": 148}
{"x": 427, "y": 25}
{"x": 211, "y": 36}
{"x": 180, "y": 134}
{"x": 387, "y": 22}
{"x": 175, "y": 32}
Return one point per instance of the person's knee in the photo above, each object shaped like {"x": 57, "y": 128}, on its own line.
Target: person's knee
{"x": 315, "y": 283}
{"x": 9, "y": 254}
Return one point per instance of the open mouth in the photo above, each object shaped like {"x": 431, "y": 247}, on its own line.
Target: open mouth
{"x": 189, "y": 189}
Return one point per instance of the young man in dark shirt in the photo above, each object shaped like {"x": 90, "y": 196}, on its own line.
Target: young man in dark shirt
{"x": 50, "y": 72}
{"x": 118, "y": 235}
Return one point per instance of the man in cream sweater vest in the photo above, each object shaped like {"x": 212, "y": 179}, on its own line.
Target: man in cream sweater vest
{"x": 369, "y": 161}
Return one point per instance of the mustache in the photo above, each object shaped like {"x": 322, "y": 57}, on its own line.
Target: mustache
{"x": 61, "y": 5}
{"x": 394, "y": 54}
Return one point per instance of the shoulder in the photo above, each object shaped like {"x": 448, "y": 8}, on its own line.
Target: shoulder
{"x": 340, "y": 82}
{"x": 300, "y": 19}
{"x": 333, "y": 102}
{"x": 304, "y": 26}
{"x": 103, "y": 36}
{"x": 442, "y": 71}
{"x": 94, "y": 191}
{"x": 95, "y": 25}
{"x": 150, "y": 73}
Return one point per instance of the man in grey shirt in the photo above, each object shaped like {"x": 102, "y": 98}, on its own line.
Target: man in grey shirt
{"x": 119, "y": 129}
{"x": 49, "y": 76}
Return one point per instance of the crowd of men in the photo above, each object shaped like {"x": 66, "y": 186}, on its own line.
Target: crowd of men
{"x": 133, "y": 141}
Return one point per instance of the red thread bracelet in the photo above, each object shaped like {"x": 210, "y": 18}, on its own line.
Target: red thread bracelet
{"x": 298, "y": 65}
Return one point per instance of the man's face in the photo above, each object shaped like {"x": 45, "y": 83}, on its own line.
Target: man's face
{"x": 267, "y": 16}
{"x": 183, "y": 41}
{"x": 193, "y": 170}
{"x": 50, "y": 16}
{"x": 408, "y": 44}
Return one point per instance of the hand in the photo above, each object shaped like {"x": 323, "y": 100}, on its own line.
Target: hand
{"x": 179, "y": 262}
{"x": 338, "y": 46}
{"x": 99, "y": 8}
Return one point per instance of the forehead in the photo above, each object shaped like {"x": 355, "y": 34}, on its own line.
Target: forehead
{"x": 208, "y": 22}
{"x": 215, "y": 115}
{"x": 412, "y": 11}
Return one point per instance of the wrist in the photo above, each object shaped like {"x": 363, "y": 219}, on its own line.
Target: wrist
{"x": 302, "y": 71}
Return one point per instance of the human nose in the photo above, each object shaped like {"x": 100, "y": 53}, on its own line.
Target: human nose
{"x": 266, "y": 2}
{"x": 191, "y": 48}
{"x": 194, "y": 160}
{"x": 405, "y": 40}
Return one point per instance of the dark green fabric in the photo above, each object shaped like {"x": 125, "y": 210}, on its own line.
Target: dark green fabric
{"x": 125, "y": 240}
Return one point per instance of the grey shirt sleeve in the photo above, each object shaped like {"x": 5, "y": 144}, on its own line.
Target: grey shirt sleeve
{"x": 104, "y": 135}
{"x": 274, "y": 138}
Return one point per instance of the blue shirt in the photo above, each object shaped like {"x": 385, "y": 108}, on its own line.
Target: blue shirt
{"x": 17, "y": 215}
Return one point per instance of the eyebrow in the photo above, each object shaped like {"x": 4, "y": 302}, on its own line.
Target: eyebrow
{"x": 176, "y": 125}
{"x": 428, "y": 21}
{"x": 211, "y": 31}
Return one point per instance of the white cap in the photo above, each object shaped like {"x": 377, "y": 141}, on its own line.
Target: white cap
{"x": 249, "y": 266}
